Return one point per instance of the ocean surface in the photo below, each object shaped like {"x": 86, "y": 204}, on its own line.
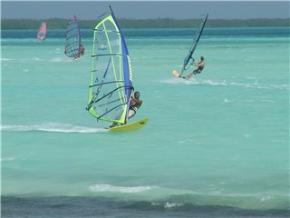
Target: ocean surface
{"x": 215, "y": 146}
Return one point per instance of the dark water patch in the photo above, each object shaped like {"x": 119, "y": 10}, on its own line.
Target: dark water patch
{"x": 162, "y": 32}
{"x": 75, "y": 207}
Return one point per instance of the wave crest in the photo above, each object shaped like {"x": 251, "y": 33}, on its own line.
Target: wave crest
{"x": 118, "y": 189}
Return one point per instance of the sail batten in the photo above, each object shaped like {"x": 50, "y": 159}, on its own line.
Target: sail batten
{"x": 104, "y": 83}
{"x": 96, "y": 29}
{"x": 95, "y": 55}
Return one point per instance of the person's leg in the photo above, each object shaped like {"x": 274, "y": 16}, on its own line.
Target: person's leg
{"x": 131, "y": 113}
{"x": 116, "y": 118}
{"x": 197, "y": 71}
{"x": 113, "y": 124}
{"x": 189, "y": 75}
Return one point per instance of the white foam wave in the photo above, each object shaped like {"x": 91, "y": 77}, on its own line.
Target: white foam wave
{"x": 37, "y": 59}
{"x": 225, "y": 83}
{"x": 118, "y": 189}
{"x": 60, "y": 59}
{"x": 7, "y": 159}
{"x": 7, "y": 59}
{"x": 168, "y": 205}
{"x": 179, "y": 81}
{"x": 226, "y": 100}
{"x": 51, "y": 127}
{"x": 258, "y": 86}
{"x": 266, "y": 198}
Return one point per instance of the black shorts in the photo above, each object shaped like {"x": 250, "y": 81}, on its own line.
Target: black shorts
{"x": 133, "y": 108}
{"x": 197, "y": 71}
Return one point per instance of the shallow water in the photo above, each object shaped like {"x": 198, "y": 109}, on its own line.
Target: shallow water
{"x": 219, "y": 141}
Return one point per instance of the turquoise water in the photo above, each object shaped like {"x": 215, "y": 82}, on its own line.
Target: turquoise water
{"x": 221, "y": 139}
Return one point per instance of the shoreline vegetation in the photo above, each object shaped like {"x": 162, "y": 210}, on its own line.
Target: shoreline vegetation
{"x": 56, "y": 23}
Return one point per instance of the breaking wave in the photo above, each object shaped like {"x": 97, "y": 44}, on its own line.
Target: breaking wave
{"x": 118, "y": 189}
{"x": 168, "y": 198}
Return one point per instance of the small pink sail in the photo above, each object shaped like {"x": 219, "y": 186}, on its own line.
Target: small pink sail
{"x": 42, "y": 31}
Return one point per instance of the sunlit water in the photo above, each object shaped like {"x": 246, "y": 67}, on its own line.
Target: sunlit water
{"x": 221, "y": 139}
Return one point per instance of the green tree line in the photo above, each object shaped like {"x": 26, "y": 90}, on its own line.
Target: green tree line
{"x": 57, "y": 23}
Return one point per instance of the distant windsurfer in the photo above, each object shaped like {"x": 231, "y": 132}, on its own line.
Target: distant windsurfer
{"x": 135, "y": 104}
{"x": 200, "y": 66}
{"x": 82, "y": 50}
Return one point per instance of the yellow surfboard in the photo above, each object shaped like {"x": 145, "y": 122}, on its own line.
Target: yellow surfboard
{"x": 175, "y": 73}
{"x": 129, "y": 127}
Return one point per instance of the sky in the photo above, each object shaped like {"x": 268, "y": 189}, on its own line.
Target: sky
{"x": 145, "y": 10}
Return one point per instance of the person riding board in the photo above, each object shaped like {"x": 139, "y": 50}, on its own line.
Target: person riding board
{"x": 200, "y": 66}
{"x": 81, "y": 51}
{"x": 134, "y": 105}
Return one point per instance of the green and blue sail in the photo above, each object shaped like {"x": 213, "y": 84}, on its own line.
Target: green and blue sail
{"x": 110, "y": 84}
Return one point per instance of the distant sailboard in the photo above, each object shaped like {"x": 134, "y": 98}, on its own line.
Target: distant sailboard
{"x": 73, "y": 45}
{"x": 41, "y": 34}
{"x": 189, "y": 56}
{"x": 110, "y": 85}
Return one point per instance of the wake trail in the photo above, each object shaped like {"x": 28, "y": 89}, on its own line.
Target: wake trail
{"x": 51, "y": 127}
{"x": 177, "y": 81}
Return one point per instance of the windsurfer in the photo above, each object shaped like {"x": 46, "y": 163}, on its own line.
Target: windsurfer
{"x": 82, "y": 50}
{"x": 200, "y": 66}
{"x": 135, "y": 104}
